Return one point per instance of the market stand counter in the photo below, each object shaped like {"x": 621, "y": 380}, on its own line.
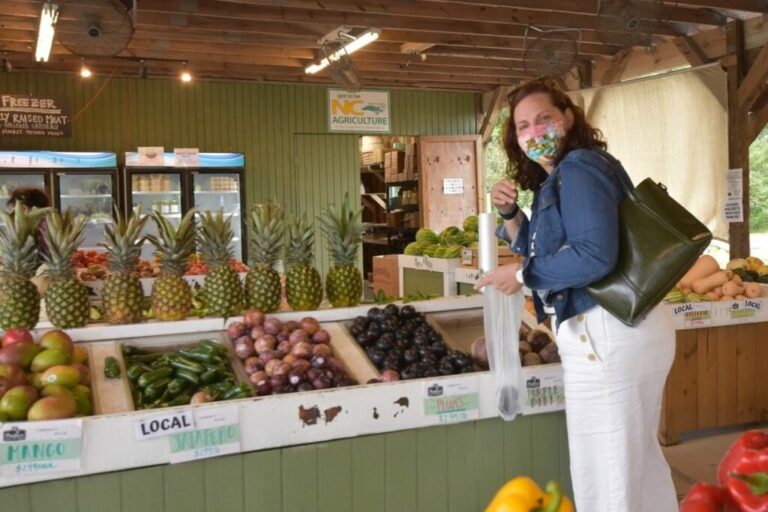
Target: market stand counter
{"x": 719, "y": 373}
{"x": 392, "y": 445}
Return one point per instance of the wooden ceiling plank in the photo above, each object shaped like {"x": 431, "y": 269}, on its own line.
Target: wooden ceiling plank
{"x": 755, "y": 6}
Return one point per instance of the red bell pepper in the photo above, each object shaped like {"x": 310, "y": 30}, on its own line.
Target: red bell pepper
{"x": 707, "y": 498}
{"x": 744, "y": 472}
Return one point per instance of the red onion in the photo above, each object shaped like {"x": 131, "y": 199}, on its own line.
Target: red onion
{"x": 335, "y": 365}
{"x": 283, "y": 336}
{"x": 322, "y": 350}
{"x": 291, "y": 325}
{"x": 284, "y": 346}
{"x": 268, "y": 356}
{"x": 235, "y": 330}
{"x": 252, "y": 365}
{"x": 321, "y": 336}
{"x": 271, "y": 366}
{"x": 278, "y": 382}
{"x": 310, "y": 325}
{"x": 295, "y": 377}
{"x": 302, "y": 365}
{"x": 305, "y": 386}
{"x": 321, "y": 383}
{"x": 259, "y": 377}
{"x": 318, "y": 361}
{"x": 265, "y": 343}
{"x": 244, "y": 347}
{"x": 302, "y": 350}
{"x": 389, "y": 375}
{"x": 314, "y": 373}
{"x": 272, "y": 326}
{"x": 282, "y": 369}
{"x": 257, "y": 332}
{"x": 290, "y": 359}
{"x": 201, "y": 397}
{"x": 298, "y": 335}
{"x": 253, "y": 318}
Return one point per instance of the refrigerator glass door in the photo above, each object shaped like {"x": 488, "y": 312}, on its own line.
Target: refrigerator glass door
{"x": 159, "y": 192}
{"x": 90, "y": 195}
{"x": 221, "y": 191}
{"x": 10, "y": 182}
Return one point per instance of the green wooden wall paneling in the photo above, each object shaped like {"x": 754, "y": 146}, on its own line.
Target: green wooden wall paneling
{"x": 454, "y": 468}
{"x": 266, "y": 122}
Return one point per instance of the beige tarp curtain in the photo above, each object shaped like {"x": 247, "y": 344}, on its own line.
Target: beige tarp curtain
{"x": 673, "y": 129}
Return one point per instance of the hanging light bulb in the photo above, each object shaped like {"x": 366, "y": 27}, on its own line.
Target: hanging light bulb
{"x": 186, "y": 76}
{"x": 85, "y": 72}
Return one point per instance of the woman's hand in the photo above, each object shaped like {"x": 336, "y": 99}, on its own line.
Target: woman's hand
{"x": 503, "y": 279}
{"x": 504, "y": 195}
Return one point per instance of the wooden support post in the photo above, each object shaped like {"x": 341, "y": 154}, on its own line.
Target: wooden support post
{"x": 497, "y": 100}
{"x": 754, "y": 85}
{"x": 738, "y": 145}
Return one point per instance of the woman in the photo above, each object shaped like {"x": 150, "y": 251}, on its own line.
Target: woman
{"x": 614, "y": 375}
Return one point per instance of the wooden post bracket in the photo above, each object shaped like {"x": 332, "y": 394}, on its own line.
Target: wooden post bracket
{"x": 691, "y": 51}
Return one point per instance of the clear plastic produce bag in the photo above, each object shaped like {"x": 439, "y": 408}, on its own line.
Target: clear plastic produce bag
{"x": 502, "y": 315}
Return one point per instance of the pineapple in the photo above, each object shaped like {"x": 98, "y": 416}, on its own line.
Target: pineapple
{"x": 122, "y": 295}
{"x": 66, "y": 298}
{"x": 262, "y": 284}
{"x": 222, "y": 291}
{"x": 19, "y": 298}
{"x": 303, "y": 287}
{"x": 171, "y": 294}
{"x": 344, "y": 231}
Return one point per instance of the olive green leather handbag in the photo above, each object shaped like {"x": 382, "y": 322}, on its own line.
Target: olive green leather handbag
{"x": 659, "y": 241}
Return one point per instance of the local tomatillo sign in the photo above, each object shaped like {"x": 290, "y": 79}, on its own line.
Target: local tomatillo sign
{"x": 359, "y": 112}
{"x": 33, "y": 116}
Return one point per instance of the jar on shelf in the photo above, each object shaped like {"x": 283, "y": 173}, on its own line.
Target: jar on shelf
{"x": 165, "y": 207}
{"x": 157, "y": 206}
{"x": 175, "y": 207}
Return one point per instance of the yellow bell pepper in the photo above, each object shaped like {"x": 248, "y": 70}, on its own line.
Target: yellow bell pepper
{"x": 523, "y": 495}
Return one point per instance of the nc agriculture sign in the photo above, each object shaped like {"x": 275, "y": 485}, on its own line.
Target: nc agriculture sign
{"x": 363, "y": 111}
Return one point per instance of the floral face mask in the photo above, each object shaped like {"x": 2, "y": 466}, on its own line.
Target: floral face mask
{"x": 541, "y": 143}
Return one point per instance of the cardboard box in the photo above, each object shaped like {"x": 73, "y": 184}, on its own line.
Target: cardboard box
{"x": 469, "y": 257}
{"x": 395, "y": 160}
{"x": 395, "y": 219}
{"x": 386, "y": 275}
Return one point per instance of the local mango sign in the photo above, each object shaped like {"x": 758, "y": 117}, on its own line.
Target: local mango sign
{"x": 33, "y": 116}
{"x": 44, "y": 447}
{"x": 360, "y": 112}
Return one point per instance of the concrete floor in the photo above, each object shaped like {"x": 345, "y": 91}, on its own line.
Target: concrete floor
{"x": 696, "y": 458}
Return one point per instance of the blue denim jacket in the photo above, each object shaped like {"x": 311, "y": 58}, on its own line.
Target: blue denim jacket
{"x": 572, "y": 238}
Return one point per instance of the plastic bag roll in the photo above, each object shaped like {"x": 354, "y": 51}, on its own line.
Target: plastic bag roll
{"x": 488, "y": 253}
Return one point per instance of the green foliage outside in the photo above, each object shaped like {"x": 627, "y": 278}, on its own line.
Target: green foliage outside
{"x": 758, "y": 184}
{"x": 496, "y": 162}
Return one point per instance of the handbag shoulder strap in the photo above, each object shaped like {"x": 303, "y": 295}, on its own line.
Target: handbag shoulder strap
{"x": 620, "y": 176}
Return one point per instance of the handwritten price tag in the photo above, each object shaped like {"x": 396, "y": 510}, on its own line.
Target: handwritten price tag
{"x": 47, "y": 447}
{"x": 451, "y": 401}
{"x": 217, "y": 433}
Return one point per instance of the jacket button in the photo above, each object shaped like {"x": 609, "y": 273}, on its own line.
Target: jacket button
{"x": 592, "y": 357}
{"x": 580, "y": 318}
{"x": 559, "y": 297}
{"x": 583, "y": 338}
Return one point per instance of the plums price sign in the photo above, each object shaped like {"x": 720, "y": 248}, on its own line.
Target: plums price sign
{"x": 451, "y": 401}
{"x": 32, "y": 448}
{"x": 217, "y": 432}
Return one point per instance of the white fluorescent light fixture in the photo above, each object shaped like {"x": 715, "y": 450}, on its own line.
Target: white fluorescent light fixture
{"x": 365, "y": 38}
{"x": 48, "y": 17}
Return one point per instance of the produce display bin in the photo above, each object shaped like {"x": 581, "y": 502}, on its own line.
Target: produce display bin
{"x": 719, "y": 368}
{"x": 345, "y": 427}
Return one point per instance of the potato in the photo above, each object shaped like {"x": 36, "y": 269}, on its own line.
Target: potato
{"x": 549, "y": 353}
{"x": 531, "y": 359}
{"x": 525, "y": 348}
{"x": 538, "y": 340}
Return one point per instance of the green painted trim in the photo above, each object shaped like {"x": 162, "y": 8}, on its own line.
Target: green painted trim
{"x": 454, "y": 468}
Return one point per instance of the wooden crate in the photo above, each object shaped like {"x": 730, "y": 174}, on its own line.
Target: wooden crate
{"x": 469, "y": 257}
{"x": 386, "y": 275}
{"x": 717, "y": 380}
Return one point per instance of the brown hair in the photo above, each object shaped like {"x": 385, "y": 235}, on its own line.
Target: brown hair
{"x": 529, "y": 174}
{"x": 29, "y": 197}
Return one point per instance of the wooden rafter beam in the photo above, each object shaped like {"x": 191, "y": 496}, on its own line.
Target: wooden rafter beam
{"x": 754, "y": 85}
{"x": 617, "y": 67}
{"x": 565, "y": 5}
{"x": 691, "y": 51}
{"x": 524, "y": 11}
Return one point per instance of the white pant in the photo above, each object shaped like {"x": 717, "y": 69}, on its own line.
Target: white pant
{"x": 614, "y": 378}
